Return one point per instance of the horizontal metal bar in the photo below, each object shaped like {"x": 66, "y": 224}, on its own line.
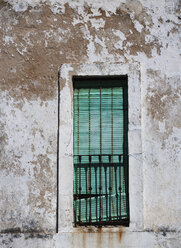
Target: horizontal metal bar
{"x": 82, "y": 196}
{"x": 97, "y": 155}
{"x": 82, "y": 165}
{"x": 123, "y": 109}
{"x": 122, "y": 222}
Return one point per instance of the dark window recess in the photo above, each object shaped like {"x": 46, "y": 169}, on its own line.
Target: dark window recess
{"x": 101, "y": 151}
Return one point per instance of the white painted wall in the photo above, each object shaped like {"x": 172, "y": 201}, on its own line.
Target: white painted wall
{"x": 37, "y": 37}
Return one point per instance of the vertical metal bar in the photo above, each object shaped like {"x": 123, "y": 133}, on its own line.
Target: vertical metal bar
{"x": 80, "y": 189}
{"x": 124, "y": 190}
{"x": 124, "y": 151}
{"x": 106, "y": 193}
{"x": 110, "y": 189}
{"x": 115, "y": 172}
{"x": 86, "y": 190}
{"x": 120, "y": 188}
{"x": 100, "y": 159}
{"x": 96, "y": 191}
{"x": 125, "y": 145}
{"x": 127, "y": 188}
{"x": 90, "y": 190}
{"x": 90, "y": 187}
{"x": 112, "y": 125}
{"x": 78, "y": 170}
{"x": 78, "y": 112}
{"x": 112, "y": 149}
{"x": 100, "y": 187}
{"x": 76, "y": 194}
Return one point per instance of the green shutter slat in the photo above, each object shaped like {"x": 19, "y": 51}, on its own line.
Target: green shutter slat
{"x": 81, "y": 122}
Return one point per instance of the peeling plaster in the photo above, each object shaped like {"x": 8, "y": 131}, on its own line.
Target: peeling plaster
{"x": 37, "y": 37}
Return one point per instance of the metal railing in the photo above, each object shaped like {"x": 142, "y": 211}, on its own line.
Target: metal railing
{"x": 101, "y": 189}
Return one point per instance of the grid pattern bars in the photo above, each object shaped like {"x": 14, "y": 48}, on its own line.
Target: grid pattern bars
{"x": 100, "y": 155}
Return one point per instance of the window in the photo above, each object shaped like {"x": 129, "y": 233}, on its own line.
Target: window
{"x": 80, "y": 75}
{"x": 100, "y": 151}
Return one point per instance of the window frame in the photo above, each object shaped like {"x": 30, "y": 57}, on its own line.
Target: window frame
{"x": 65, "y": 148}
{"x": 106, "y": 82}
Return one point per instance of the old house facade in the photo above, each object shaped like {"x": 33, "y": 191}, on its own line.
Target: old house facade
{"x": 44, "y": 44}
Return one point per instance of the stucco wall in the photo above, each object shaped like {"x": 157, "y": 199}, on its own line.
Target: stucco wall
{"x": 37, "y": 37}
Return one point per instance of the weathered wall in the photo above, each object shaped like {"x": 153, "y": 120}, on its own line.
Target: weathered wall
{"x": 36, "y": 37}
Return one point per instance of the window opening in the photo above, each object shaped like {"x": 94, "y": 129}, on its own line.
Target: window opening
{"x": 101, "y": 151}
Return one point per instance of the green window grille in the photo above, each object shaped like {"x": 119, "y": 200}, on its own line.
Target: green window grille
{"x": 101, "y": 151}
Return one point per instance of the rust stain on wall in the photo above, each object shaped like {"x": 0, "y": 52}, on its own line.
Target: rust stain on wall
{"x": 120, "y": 234}
{"x": 99, "y": 236}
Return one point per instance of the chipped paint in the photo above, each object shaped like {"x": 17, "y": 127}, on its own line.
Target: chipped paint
{"x": 37, "y": 37}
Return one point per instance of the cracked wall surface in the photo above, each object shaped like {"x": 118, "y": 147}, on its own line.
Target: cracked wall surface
{"x": 36, "y": 38}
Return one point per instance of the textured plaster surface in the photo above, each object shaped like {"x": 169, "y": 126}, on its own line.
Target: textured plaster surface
{"x": 36, "y": 37}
